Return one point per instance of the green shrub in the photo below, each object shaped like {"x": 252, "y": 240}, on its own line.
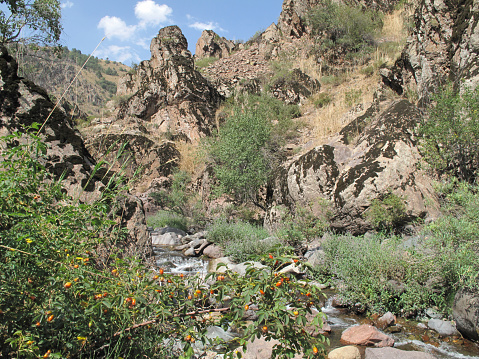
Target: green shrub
{"x": 68, "y": 291}
{"x": 322, "y": 99}
{"x": 241, "y": 241}
{"x": 346, "y": 27}
{"x": 167, "y": 218}
{"x": 451, "y": 133}
{"x": 387, "y": 213}
{"x": 205, "y": 62}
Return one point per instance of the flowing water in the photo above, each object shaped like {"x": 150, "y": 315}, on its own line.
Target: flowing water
{"x": 339, "y": 319}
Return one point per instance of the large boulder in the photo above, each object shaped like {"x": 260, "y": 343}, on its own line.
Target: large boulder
{"x": 465, "y": 311}
{"x": 366, "y": 335}
{"x": 210, "y": 44}
{"x": 374, "y": 155}
{"x": 348, "y": 352}
{"x": 443, "y": 47}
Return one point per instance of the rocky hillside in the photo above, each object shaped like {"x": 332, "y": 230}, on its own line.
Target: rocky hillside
{"x": 95, "y": 86}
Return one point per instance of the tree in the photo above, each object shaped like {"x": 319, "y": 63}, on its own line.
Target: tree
{"x": 36, "y": 21}
{"x": 239, "y": 152}
{"x": 451, "y": 133}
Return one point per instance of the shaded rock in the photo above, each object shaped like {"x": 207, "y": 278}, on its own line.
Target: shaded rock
{"x": 213, "y": 251}
{"x": 295, "y": 87}
{"x": 443, "y": 327}
{"x": 210, "y": 44}
{"x": 465, "y": 311}
{"x": 366, "y": 335}
{"x": 393, "y": 353}
{"x": 348, "y": 352}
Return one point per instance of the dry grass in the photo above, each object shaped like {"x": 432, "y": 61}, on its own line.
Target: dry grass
{"x": 192, "y": 157}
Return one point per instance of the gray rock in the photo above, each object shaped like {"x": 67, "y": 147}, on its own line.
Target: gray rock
{"x": 167, "y": 239}
{"x": 433, "y": 314}
{"x": 393, "y": 353}
{"x": 465, "y": 311}
{"x": 443, "y": 327}
{"x": 190, "y": 252}
{"x": 213, "y": 251}
{"x": 386, "y": 320}
{"x": 179, "y": 233}
{"x": 315, "y": 257}
{"x": 292, "y": 269}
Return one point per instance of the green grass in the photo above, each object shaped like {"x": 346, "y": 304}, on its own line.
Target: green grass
{"x": 167, "y": 218}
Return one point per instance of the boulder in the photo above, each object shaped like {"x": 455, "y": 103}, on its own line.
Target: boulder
{"x": 393, "y": 353}
{"x": 465, "y": 311}
{"x": 261, "y": 349}
{"x": 167, "y": 236}
{"x": 366, "y": 335}
{"x": 386, "y": 320}
{"x": 374, "y": 155}
{"x": 210, "y": 44}
{"x": 213, "y": 251}
{"x": 348, "y": 352}
{"x": 443, "y": 327}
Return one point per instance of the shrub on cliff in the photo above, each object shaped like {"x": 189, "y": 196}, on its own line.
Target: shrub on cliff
{"x": 450, "y": 135}
{"x": 341, "y": 26}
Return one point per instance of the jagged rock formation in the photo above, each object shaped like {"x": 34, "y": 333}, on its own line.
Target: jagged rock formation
{"x": 165, "y": 99}
{"x": 444, "y": 46}
{"x": 23, "y": 103}
{"x": 374, "y": 154}
{"x": 210, "y": 44}
{"x": 167, "y": 93}
{"x": 292, "y": 22}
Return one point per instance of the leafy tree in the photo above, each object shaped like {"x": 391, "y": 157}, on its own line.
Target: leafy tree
{"x": 240, "y": 155}
{"x": 36, "y": 21}
{"x": 451, "y": 134}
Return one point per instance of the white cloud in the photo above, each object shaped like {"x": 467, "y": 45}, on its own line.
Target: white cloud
{"x": 119, "y": 53}
{"x": 150, "y": 13}
{"x": 116, "y": 27}
{"x": 206, "y": 26}
{"x": 67, "y": 4}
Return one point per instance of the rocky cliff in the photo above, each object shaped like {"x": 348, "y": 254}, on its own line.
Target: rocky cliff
{"x": 443, "y": 47}
{"x": 211, "y": 44}
{"x": 23, "y": 103}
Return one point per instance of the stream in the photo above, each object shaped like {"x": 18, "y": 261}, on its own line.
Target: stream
{"x": 411, "y": 336}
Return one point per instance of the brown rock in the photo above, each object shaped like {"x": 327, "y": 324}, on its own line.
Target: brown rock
{"x": 465, "y": 311}
{"x": 211, "y": 44}
{"x": 393, "y": 353}
{"x": 386, "y": 320}
{"x": 366, "y": 335}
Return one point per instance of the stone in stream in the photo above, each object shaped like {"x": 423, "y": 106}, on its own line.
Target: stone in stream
{"x": 167, "y": 236}
{"x": 386, "y": 320}
{"x": 465, "y": 311}
{"x": 348, "y": 352}
{"x": 366, "y": 335}
{"x": 443, "y": 327}
{"x": 393, "y": 353}
{"x": 213, "y": 251}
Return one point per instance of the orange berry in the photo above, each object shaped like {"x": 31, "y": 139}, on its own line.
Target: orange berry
{"x": 295, "y": 260}
{"x": 47, "y": 354}
{"x": 212, "y": 291}
{"x": 37, "y": 324}
{"x": 264, "y": 329}
{"x": 76, "y": 266}
{"x": 133, "y": 301}
{"x": 188, "y": 338}
{"x": 296, "y": 313}
{"x": 190, "y": 297}
{"x": 182, "y": 275}
{"x": 50, "y": 318}
{"x": 67, "y": 285}
{"x": 161, "y": 271}
{"x": 261, "y": 291}
{"x": 198, "y": 291}
{"x": 193, "y": 340}
{"x": 156, "y": 277}
{"x": 246, "y": 307}
{"x": 270, "y": 256}
{"x": 278, "y": 284}
{"x": 315, "y": 350}
{"x": 30, "y": 280}
{"x": 76, "y": 280}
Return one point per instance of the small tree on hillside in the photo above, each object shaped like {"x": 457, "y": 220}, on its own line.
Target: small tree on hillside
{"x": 33, "y": 21}
{"x": 239, "y": 153}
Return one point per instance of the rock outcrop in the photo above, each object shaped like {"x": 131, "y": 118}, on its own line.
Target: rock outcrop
{"x": 166, "y": 94}
{"x": 375, "y": 154}
{"x": 443, "y": 46}
{"x": 366, "y": 335}
{"x": 23, "y": 103}
{"x": 210, "y": 44}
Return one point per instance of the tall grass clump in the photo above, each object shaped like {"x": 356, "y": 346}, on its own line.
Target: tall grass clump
{"x": 168, "y": 219}
{"x": 240, "y": 240}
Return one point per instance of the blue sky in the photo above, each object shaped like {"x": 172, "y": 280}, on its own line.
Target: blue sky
{"x": 131, "y": 24}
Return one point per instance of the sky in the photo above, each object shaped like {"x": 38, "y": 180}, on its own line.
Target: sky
{"x": 129, "y": 25}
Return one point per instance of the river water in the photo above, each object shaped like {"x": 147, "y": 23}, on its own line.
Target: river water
{"x": 411, "y": 336}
